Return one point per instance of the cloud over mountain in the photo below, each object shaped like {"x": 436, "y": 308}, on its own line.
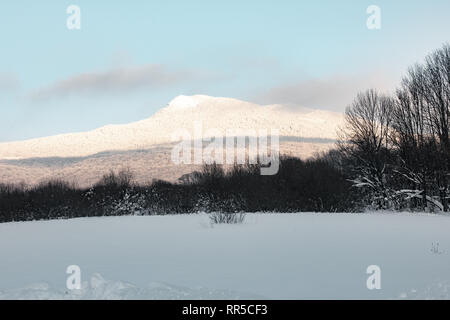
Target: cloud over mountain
{"x": 117, "y": 80}
{"x": 332, "y": 93}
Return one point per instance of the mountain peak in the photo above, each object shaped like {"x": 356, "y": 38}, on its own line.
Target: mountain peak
{"x": 186, "y": 102}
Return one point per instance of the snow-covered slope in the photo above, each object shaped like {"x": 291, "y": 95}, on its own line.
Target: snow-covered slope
{"x": 181, "y": 113}
{"x": 274, "y": 256}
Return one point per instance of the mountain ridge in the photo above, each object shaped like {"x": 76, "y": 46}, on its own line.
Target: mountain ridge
{"x": 180, "y": 113}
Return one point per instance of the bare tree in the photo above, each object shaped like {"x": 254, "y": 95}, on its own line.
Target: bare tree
{"x": 437, "y": 97}
{"x": 365, "y": 141}
{"x": 421, "y": 128}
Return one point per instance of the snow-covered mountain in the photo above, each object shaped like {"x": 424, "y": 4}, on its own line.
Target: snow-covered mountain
{"x": 145, "y": 146}
{"x": 181, "y": 113}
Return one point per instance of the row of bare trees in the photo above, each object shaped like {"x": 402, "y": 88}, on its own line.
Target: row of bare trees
{"x": 398, "y": 146}
{"x": 312, "y": 185}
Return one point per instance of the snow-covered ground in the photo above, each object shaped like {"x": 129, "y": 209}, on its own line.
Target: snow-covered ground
{"x": 273, "y": 256}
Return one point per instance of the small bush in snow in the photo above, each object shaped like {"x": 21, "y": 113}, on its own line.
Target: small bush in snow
{"x": 226, "y": 217}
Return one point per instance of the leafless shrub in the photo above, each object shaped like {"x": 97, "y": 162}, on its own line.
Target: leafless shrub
{"x": 124, "y": 178}
{"x": 225, "y": 217}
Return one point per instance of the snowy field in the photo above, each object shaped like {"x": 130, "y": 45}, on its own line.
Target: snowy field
{"x": 272, "y": 256}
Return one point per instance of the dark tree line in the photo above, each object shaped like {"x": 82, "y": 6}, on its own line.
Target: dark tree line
{"x": 397, "y": 148}
{"x": 313, "y": 185}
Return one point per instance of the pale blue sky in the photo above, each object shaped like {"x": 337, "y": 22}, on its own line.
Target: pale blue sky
{"x": 130, "y": 58}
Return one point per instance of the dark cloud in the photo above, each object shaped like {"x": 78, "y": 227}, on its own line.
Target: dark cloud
{"x": 119, "y": 80}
